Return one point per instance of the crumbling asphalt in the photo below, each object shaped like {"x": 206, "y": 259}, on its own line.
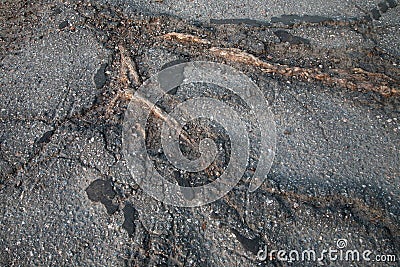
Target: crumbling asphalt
{"x": 68, "y": 70}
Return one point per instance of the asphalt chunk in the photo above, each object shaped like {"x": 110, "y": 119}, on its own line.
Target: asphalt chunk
{"x": 103, "y": 192}
{"x": 251, "y": 244}
{"x": 46, "y": 137}
{"x": 375, "y": 13}
{"x": 100, "y": 77}
{"x": 383, "y": 6}
{"x": 285, "y": 36}
{"x": 130, "y": 215}
{"x": 63, "y": 25}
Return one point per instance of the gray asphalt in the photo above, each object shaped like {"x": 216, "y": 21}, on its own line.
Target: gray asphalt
{"x": 257, "y": 10}
{"x": 68, "y": 199}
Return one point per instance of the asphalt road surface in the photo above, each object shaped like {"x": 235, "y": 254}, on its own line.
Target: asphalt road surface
{"x": 329, "y": 72}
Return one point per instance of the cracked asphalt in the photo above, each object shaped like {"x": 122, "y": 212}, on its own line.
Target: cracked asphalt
{"x": 329, "y": 71}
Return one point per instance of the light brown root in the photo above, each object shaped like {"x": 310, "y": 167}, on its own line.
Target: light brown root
{"x": 185, "y": 38}
{"x": 159, "y": 113}
{"x": 128, "y": 70}
{"x": 355, "y": 79}
{"x": 237, "y": 55}
{"x": 128, "y": 77}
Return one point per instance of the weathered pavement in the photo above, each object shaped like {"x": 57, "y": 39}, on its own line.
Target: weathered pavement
{"x": 68, "y": 70}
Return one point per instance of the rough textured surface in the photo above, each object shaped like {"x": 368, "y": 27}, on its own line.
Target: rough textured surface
{"x": 68, "y": 70}
{"x": 258, "y": 10}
